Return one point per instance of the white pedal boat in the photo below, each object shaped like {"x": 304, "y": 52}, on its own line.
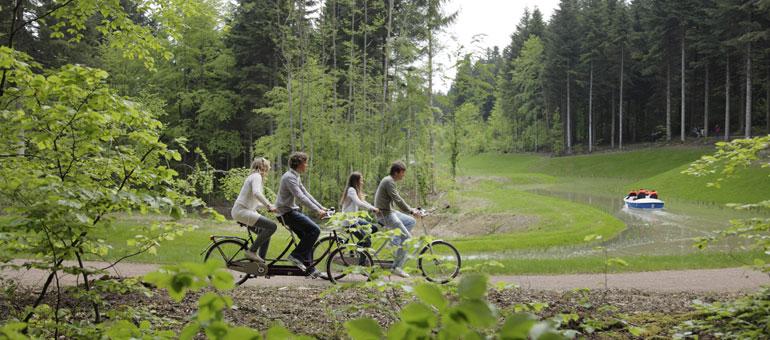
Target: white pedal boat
{"x": 643, "y": 203}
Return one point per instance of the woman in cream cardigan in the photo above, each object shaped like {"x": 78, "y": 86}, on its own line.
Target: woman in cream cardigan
{"x": 245, "y": 208}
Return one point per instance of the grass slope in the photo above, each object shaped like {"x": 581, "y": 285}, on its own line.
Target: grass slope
{"x": 749, "y": 185}
{"x": 615, "y": 173}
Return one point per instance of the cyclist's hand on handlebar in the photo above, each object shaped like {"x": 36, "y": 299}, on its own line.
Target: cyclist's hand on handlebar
{"x": 376, "y": 210}
{"x": 322, "y": 213}
{"x": 273, "y": 209}
{"x": 416, "y": 213}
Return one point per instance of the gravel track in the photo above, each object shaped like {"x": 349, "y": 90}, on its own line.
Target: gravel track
{"x": 724, "y": 280}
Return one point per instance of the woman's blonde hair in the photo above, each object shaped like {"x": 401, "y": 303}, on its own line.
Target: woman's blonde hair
{"x": 260, "y": 164}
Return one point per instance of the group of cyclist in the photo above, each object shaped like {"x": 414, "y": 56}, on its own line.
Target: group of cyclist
{"x": 291, "y": 191}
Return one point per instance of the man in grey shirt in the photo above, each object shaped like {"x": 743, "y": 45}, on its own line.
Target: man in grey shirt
{"x": 291, "y": 189}
{"x": 387, "y": 195}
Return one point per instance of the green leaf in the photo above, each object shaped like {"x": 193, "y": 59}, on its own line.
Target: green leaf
{"x": 190, "y": 331}
{"x": 398, "y": 331}
{"x": 476, "y": 312}
{"x": 418, "y": 315}
{"x": 472, "y": 286}
{"x": 222, "y": 280}
{"x": 364, "y": 329}
{"x": 239, "y": 333}
{"x": 517, "y": 326}
{"x": 544, "y": 331}
{"x": 278, "y": 332}
{"x": 636, "y": 331}
{"x": 431, "y": 295}
{"x": 123, "y": 329}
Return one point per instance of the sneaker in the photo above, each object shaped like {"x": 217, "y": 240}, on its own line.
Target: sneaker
{"x": 253, "y": 256}
{"x": 315, "y": 273}
{"x": 400, "y": 272}
{"x": 297, "y": 262}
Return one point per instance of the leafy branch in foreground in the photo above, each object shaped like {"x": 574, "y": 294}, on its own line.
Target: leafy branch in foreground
{"x": 745, "y": 318}
{"x": 728, "y": 158}
{"x": 77, "y": 153}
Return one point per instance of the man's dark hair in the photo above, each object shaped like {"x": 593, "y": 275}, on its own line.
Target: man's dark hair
{"x": 397, "y": 167}
{"x": 296, "y": 159}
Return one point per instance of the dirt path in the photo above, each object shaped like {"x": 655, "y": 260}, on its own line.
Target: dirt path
{"x": 699, "y": 280}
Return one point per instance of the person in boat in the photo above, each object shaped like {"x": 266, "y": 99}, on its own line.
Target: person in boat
{"x": 631, "y": 195}
{"x": 654, "y": 194}
{"x": 642, "y": 194}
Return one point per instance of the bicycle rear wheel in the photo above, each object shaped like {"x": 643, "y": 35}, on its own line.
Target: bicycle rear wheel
{"x": 349, "y": 263}
{"x": 439, "y": 262}
{"x": 225, "y": 252}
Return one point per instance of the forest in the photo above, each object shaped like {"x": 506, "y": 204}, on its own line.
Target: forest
{"x": 352, "y": 82}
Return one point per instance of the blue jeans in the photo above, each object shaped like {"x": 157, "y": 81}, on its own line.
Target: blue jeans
{"x": 307, "y": 231}
{"x": 403, "y": 222}
{"x": 364, "y": 238}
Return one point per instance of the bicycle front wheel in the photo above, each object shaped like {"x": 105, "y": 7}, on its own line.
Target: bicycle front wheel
{"x": 439, "y": 262}
{"x": 349, "y": 263}
{"x": 225, "y": 252}
{"x": 323, "y": 247}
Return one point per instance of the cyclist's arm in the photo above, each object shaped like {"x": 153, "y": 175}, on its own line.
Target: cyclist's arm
{"x": 298, "y": 190}
{"x": 310, "y": 197}
{"x": 353, "y": 197}
{"x": 396, "y": 198}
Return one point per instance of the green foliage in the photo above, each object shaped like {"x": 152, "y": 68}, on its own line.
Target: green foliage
{"x": 743, "y": 318}
{"x": 231, "y": 184}
{"x": 179, "y": 280}
{"x": 468, "y": 315}
{"x": 134, "y": 40}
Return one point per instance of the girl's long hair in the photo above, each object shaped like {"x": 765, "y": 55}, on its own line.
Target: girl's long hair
{"x": 354, "y": 181}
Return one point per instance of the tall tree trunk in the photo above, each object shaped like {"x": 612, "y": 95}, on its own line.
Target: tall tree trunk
{"x": 612, "y": 127}
{"x": 706, "y": 104}
{"x": 684, "y": 99}
{"x": 385, "y": 76}
{"x": 767, "y": 100}
{"x": 568, "y": 121}
{"x": 590, "y": 109}
{"x": 668, "y": 102}
{"x": 431, "y": 136}
{"x": 747, "y": 133}
{"x": 620, "y": 116}
{"x": 365, "y": 81}
{"x": 350, "y": 63}
{"x": 727, "y": 100}
{"x": 18, "y": 16}
{"x": 291, "y": 111}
